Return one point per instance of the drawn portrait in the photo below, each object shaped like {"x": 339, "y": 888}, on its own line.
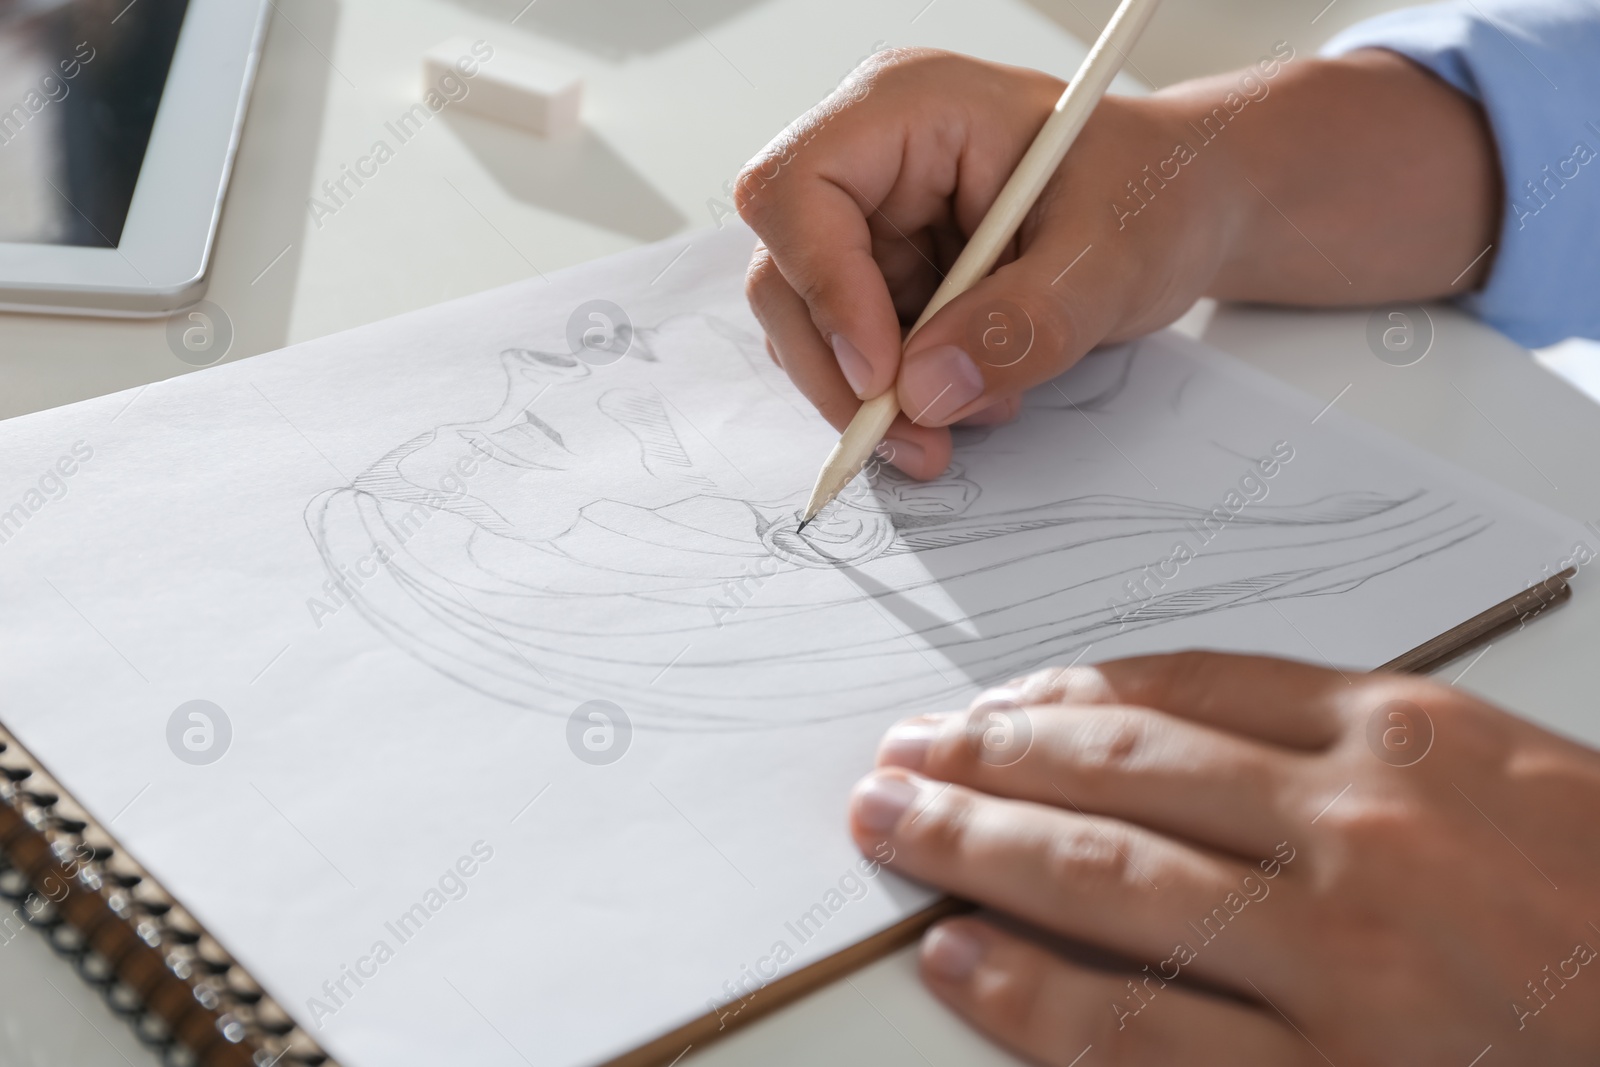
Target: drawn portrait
{"x": 594, "y": 531}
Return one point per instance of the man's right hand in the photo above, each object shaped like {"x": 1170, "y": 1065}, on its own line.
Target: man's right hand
{"x": 864, "y": 202}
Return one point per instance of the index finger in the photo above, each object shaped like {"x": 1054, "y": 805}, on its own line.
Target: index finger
{"x": 1282, "y": 701}
{"x": 815, "y": 229}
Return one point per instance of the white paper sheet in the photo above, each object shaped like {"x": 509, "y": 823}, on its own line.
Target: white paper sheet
{"x": 400, "y": 559}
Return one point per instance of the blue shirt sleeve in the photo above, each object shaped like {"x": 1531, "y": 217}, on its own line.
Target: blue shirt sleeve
{"x": 1534, "y": 65}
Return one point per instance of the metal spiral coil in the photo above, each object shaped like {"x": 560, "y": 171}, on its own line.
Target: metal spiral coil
{"x": 245, "y": 1015}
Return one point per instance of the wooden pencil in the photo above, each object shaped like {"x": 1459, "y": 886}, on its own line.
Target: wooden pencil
{"x": 1485, "y": 626}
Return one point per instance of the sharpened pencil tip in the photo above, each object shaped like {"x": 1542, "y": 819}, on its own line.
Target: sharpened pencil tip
{"x": 802, "y": 526}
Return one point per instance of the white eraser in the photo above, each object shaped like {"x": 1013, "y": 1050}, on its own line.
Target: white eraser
{"x": 497, "y": 83}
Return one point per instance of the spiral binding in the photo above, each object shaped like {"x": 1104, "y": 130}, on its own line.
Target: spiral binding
{"x": 247, "y": 1020}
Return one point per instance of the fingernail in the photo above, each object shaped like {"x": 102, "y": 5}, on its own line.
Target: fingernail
{"x": 857, "y": 371}
{"x": 906, "y": 744}
{"x": 938, "y": 383}
{"x": 881, "y": 800}
{"x": 902, "y": 453}
{"x": 951, "y": 952}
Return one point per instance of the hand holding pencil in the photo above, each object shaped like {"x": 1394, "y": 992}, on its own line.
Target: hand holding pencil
{"x": 864, "y": 204}
{"x": 984, "y": 247}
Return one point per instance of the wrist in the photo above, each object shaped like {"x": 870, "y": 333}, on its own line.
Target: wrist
{"x": 1223, "y": 126}
{"x": 1177, "y": 206}
{"x": 1351, "y": 180}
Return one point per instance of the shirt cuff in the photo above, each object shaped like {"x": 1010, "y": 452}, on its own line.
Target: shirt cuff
{"x": 1534, "y": 66}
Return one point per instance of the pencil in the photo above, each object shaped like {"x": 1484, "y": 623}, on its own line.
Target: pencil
{"x": 999, "y": 225}
{"x": 1504, "y": 616}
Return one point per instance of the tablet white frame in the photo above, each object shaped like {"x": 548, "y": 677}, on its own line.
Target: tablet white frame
{"x": 165, "y": 250}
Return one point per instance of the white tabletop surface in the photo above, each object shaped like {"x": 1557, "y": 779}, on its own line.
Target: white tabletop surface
{"x": 678, "y": 96}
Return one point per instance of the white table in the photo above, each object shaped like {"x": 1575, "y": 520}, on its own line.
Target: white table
{"x": 672, "y": 111}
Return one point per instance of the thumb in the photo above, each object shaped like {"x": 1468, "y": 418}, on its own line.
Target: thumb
{"x": 1020, "y": 326}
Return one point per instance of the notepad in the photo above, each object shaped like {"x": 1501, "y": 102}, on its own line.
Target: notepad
{"x": 464, "y": 677}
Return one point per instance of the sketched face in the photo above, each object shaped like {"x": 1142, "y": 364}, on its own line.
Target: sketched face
{"x": 528, "y": 470}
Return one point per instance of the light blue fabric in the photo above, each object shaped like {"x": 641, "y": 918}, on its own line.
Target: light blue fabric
{"x": 1534, "y": 65}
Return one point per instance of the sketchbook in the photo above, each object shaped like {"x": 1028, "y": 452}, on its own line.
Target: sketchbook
{"x": 457, "y": 690}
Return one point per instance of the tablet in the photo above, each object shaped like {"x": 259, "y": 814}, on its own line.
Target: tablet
{"x": 118, "y": 126}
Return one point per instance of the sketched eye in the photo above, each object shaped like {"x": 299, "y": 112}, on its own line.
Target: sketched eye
{"x": 554, "y": 359}
{"x": 543, "y": 366}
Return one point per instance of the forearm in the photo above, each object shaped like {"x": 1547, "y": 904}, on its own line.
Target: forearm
{"x": 1355, "y": 180}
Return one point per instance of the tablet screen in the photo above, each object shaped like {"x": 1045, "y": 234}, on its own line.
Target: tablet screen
{"x": 80, "y": 81}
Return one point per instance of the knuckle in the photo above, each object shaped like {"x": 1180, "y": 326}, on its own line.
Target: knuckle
{"x": 1110, "y": 743}
{"x": 1458, "y": 713}
{"x": 1431, "y": 713}
{"x": 1088, "y": 858}
{"x": 813, "y": 288}
{"x": 1061, "y": 334}
{"x": 940, "y": 829}
{"x": 761, "y": 282}
{"x": 1061, "y": 685}
{"x": 754, "y": 177}
{"x": 892, "y": 64}
{"x": 1381, "y": 830}
{"x": 957, "y": 751}
{"x": 888, "y": 68}
{"x": 1013, "y": 1002}
{"x": 1038, "y": 681}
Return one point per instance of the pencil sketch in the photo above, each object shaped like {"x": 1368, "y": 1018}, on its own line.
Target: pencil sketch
{"x": 589, "y": 538}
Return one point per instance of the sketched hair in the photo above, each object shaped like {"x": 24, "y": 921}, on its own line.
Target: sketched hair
{"x": 897, "y": 592}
